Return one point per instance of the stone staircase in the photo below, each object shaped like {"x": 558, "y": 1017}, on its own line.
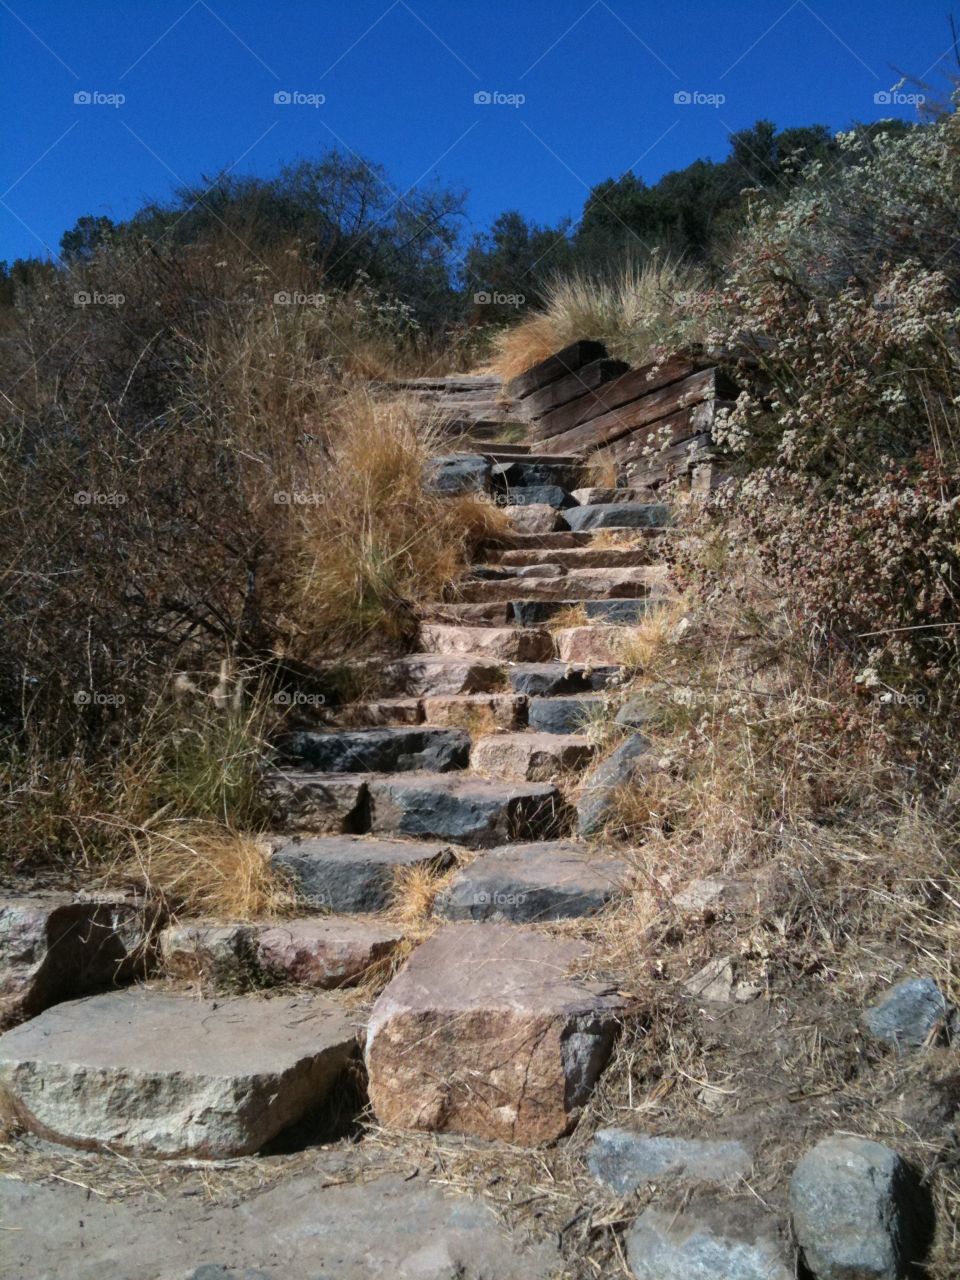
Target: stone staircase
{"x": 463, "y": 774}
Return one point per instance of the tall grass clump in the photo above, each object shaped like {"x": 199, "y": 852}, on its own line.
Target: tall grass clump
{"x": 638, "y": 314}
{"x": 195, "y": 477}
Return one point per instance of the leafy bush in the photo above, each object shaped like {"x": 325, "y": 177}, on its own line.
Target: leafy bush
{"x": 192, "y": 472}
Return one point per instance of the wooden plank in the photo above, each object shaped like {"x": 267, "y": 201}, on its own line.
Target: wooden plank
{"x": 676, "y": 460}
{"x": 631, "y": 386}
{"x": 696, "y": 420}
{"x": 569, "y": 360}
{"x": 574, "y": 385}
{"x": 609, "y": 427}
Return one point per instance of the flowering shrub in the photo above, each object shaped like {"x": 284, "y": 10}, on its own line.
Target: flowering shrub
{"x": 846, "y": 430}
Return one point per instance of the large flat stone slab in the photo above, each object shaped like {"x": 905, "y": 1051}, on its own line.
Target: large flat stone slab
{"x": 328, "y": 1223}
{"x": 580, "y": 557}
{"x": 145, "y": 1072}
{"x": 531, "y": 757}
{"x": 457, "y": 473}
{"x": 730, "y": 1240}
{"x": 574, "y": 585}
{"x": 353, "y": 874}
{"x": 428, "y": 674}
{"x": 602, "y": 644}
{"x": 464, "y": 809}
{"x": 538, "y": 517}
{"x": 59, "y": 946}
{"x": 618, "y": 515}
{"x": 485, "y": 1032}
{"x": 539, "y": 495}
{"x": 513, "y": 644}
{"x": 332, "y": 951}
{"x": 379, "y": 750}
{"x": 534, "y": 882}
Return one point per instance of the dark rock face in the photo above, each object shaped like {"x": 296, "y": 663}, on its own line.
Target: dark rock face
{"x": 351, "y": 874}
{"x": 58, "y": 946}
{"x": 859, "y": 1210}
{"x": 601, "y": 783}
{"x": 302, "y": 800}
{"x": 560, "y": 715}
{"x": 539, "y": 495}
{"x": 547, "y": 678}
{"x": 530, "y": 883}
{"x": 625, "y": 1161}
{"x": 474, "y": 812}
{"x": 909, "y": 1013}
{"x": 380, "y": 750}
{"x": 623, "y": 515}
{"x": 512, "y": 475}
{"x": 458, "y": 473}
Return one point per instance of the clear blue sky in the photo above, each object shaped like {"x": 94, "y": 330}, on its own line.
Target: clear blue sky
{"x": 399, "y": 80}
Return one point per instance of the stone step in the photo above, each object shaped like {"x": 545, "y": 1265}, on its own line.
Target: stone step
{"x": 534, "y": 883}
{"x": 562, "y": 715}
{"x": 484, "y": 1033}
{"x": 353, "y": 873}
{"x": 477, "y": 712}
{"x": 434, "y": 673}
{"x": 377, "y": 750}
{"x": 545, "y": 679}
{"x": 326, "y": 951}
{"x": 497, "y": 454}
{"x": 514, "y": 644}
{"x": 464, "y": 809}
{"x": 529, "y": 471}
{"x": 596, "y": 644}
{"x": 58, "y": 946}
{"x": 536, "y": 517}
{"x": 304, "y": 800}
{"x": 593, "y": 497}
{"x": 530, "y": 757}
{"x": 153, "y": 1073}
{"x": 618, "y": 515}
{"x": 574, "y": 585}
{"x": 578, "y": 557}
{"x": 531, "y": 613}
{"x": 538, "y": 495}
{"x": 629, "y": 536}
{"x": 382, "y": 712}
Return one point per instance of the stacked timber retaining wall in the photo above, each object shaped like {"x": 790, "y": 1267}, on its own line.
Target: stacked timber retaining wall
{"x": 654, "y": 423}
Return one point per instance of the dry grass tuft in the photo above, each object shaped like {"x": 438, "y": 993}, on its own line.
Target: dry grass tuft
{"x": 210, "y": 870}
{"x": 635, "y": 314}
{"x": 376, "y": 544}
{"x": 653, "y": 634}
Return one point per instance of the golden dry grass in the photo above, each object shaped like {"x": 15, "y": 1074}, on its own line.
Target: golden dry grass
{"x": 205, "y": 869}
{"x": 376, "y": 544}
{"x": 634, "y": 314}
